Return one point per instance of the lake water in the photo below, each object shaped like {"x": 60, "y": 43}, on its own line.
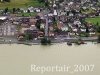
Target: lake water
{"x": 17, "y": 59}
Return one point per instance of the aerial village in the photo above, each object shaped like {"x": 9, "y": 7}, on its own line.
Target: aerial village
{"x": 56, "y": 21}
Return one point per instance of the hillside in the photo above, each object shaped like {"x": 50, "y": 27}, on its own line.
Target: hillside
{"x": 20, "y": 3}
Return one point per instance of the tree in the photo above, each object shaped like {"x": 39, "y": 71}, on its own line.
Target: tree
{"x": 38, "y": 23}
{"x": 87, "y": 30}
{"x": 47, "y": 4}
{"x": 60, "y": 1}
{"x": 7, "y": 0}
{"x": 73, "y": 11}
{"x": 45, "y": 41}
{"x": 18, "y": 10}
{"x": 41, "y": 0}
{"x": 28, "y": 11}
{"x": 98, "y": 29}
{"x": 98, "y": 38}
{"x": 57, "y": 30}
{"x": 14, "y": 10}
{"x": 28, "y": 36}
{"x": 97, "y": 23}
{"x": 6, "y": 10}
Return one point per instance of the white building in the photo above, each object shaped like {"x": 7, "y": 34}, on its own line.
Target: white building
{"x": 3, "y": 17}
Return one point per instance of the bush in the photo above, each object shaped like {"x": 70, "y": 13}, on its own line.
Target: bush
{"x": 99, "y": 39}
{"x": 28, "y": 37}
{"x": 98, "y": 29}
{"x": 84, "y": 35}
{"x": 45, "y": 41}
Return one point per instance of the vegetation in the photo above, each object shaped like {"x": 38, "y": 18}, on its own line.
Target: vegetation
{"x": 84, "y": 35}
{"x": 93, "y": 20}
{"x": 98, "y": 29}
{"x": 5, "y": 1}
{"x": 28, "y": 36}
{"x": 98, "y": 38}
{"x": 45, "y": 41}
{"x": 87, "y": 11}
{"x": 20, "y": 3}
{"x": 38, "y": 23}
{"x": 27, "y": 14}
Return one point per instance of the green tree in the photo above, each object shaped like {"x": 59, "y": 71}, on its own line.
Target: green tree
{"x": 45, "y": 41}
{"x": 41, "y": 0}
{"x": 47, "y": 4}
{"x": 98, "y": 38}
{"x": 38, "y": 23}
{"x": 97, "y": 23}
{"x": 7, "y": 0}
{"x": 98, "y": 29}
{"x": 6, "y": 10}
{"x": 28, "y": 36}
{"x": 28, "y": 11}
{"x": 14, "y": 10}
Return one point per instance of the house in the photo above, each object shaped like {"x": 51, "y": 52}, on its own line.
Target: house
{"x": 20, "y": 37}
{"x": 74, "y": 29}
{"x": 64, "y": 28}
{"x": 31, "y": 9}
{"x": 37, "y": 10}
{"x": 92, "y": 33}
{"x": 51, "y": 34}
{"x": 83, "y": 30}
{"x": 24, "y": 25}
{"x": 55, "y": 13}
{"x": 42, "y": 26}
{"x": 33, "y": 27}
{"x": 3, "y": 18}
{"x": 59, "y": 25}
{"x": 32, "y": 21}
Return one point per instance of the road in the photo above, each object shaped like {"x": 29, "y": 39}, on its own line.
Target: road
{"x": 65, "y": 39}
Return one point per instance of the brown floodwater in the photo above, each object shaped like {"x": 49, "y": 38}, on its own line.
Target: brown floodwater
{"x": 17, "y": 59}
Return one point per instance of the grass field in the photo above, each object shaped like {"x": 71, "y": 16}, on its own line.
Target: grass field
{"x": 27, "y": 14}
{"x": 20, "y": 3}
{"x": 93, "y": 20}
{"x": 88, "y": 11}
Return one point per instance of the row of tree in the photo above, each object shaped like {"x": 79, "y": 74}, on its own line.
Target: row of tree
{"x": 14, "y": 10}
{"x": 5, "y": 0}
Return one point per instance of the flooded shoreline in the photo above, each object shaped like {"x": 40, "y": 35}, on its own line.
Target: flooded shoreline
{"x": 16, "y": 59}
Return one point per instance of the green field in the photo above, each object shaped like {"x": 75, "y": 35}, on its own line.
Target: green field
{"x": 93, "y": 20}
{"x": 88, "y": 11}
{"x": 20, "y": 3}
{"x": 27, "y": 14}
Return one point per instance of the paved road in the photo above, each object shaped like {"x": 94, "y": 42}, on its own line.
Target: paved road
{"x": 75, "y": 38}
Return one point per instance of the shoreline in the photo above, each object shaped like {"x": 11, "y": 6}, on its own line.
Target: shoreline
{"x": 53, "y": 41}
